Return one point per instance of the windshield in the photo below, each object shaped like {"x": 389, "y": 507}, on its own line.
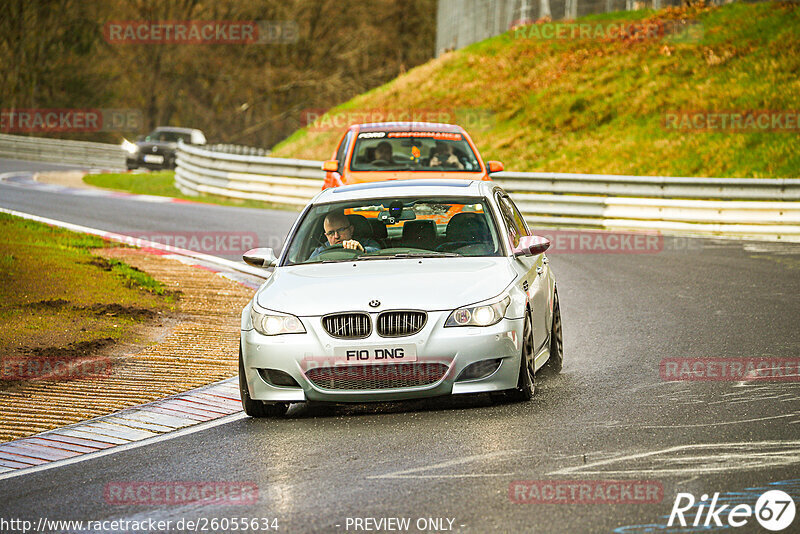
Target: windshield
{"x": 163, "y": 136}
{"x": 394, "y": 228}
{"x": 413, "y": 151}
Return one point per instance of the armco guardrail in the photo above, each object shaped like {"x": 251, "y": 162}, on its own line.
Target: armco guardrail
{"x": 767, "y": 208}
{"x": 277, "y": 180}
{"x": 87, "y": 154}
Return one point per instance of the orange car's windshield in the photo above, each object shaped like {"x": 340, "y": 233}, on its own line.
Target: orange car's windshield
{"x": 413, "y": 151}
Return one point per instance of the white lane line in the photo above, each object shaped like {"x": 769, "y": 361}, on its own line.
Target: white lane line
{"x": 722, "y": 423}
{"x": 738, "y": 456}
{"x": 128, "y": 446}
{"x": 409, "y": 473}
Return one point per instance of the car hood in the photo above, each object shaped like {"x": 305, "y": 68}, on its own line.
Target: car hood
{"x": 421, "y": 283}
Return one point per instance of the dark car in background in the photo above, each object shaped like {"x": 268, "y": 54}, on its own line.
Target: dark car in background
{"x": 156, "y": 150}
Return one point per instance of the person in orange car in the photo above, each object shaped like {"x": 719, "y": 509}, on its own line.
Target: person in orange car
{"x": 383, "y": 154}
{"x": 445, "y": 156}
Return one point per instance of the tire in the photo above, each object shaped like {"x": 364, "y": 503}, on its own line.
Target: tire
{"x": 555, "y": 362}
{"x": 256, "y": 408}
{"x": 525, "y": 383}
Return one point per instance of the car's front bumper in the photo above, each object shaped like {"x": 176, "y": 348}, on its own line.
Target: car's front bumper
{"x": 146, "y": 160}
{"x": 455, "y": 347}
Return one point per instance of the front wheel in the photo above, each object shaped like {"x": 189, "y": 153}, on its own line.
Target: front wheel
{"x": 555, "y": 362}
{"x": 256, "y": 408}
{"x": 525, "y": 383}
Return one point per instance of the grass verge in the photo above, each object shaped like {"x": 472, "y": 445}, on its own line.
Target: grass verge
{"x": 60, "y": 301}
{"x": 600, "y": 105}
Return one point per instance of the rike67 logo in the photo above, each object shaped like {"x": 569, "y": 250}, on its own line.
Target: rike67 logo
{"x": 774, "y": 510}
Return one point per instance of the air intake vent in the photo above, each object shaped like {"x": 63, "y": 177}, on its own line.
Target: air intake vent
{"x": 400, "y": 323}
{"x": 389, "y": 376}
{"x": 347, "y": 325}
{"x": 479, "y": 370}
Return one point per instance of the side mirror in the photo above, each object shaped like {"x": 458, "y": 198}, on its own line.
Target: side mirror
{"x": 331, "y": 165}
{"x": 531, "y": 245}
{"x": 260, "y": 257}
{"x": 494, "y": 166}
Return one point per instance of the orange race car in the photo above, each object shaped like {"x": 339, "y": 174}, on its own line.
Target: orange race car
{"x": 405, "y": 150}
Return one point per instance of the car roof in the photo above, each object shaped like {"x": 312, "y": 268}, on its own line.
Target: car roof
{"x": 409, "y": 127}
{"x": 405, "y": 188}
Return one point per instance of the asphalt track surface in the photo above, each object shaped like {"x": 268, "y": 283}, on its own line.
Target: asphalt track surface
{"x": 608, "y": 417}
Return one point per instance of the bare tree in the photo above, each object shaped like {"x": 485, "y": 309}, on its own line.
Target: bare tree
{"x": 544, "y": 9}
{"x": 571, "y": 9}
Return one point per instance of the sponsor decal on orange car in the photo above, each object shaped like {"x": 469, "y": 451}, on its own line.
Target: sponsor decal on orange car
{"x": 433, "y": 135}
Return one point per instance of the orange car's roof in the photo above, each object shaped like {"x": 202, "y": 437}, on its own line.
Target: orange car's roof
{"x": 409, "y": 127}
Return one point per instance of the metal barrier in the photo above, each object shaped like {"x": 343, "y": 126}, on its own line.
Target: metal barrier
{"x": 766, "y": 208}
{"x": 83, "y": 153}
{"x": 275, "y": 180}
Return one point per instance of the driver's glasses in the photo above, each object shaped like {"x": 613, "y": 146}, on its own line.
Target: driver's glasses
{"x": 339, "y": 231}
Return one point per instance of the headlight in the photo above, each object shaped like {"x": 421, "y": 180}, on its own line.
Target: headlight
{"x": 130, "y": 148}
{"x": 273, "y": 324}
{"x": 482, "y": 315}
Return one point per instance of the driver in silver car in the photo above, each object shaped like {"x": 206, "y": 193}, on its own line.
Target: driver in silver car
{"x": 339, "y": 231}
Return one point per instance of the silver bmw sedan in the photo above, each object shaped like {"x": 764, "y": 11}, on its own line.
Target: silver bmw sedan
{"x": 400, "y": 290}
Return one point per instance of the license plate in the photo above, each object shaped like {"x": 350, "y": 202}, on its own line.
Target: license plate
{"x": 153, "y": 158}
{"x": 378, "y": 354}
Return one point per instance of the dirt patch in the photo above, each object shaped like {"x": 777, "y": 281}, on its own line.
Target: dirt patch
{"x": 65, "y": 178}
{"x": 68, "y": 352}
{"x": 102, "y": 263}
{"x": 114, "y": 310}
{"x": 48, "y": 304}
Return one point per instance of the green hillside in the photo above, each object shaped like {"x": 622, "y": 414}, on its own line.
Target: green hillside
{"x": 601, "y": 105}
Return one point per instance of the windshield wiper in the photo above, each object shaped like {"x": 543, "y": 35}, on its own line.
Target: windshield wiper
{"x": 431, "y": 254}
{"x": 401, "y": 255}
